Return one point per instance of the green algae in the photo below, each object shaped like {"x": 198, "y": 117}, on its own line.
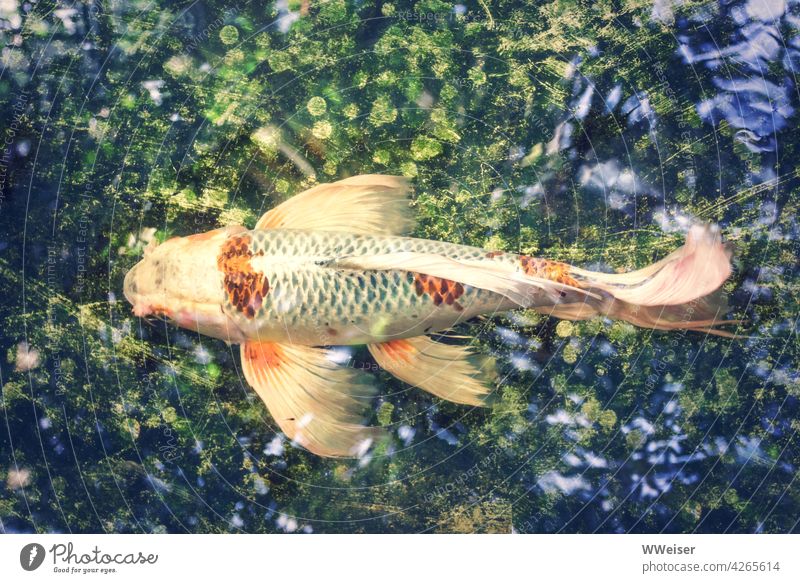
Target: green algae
{"x": 157, "y": 425}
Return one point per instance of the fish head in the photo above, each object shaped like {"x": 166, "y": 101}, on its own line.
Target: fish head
{"x": 180, "y": 280}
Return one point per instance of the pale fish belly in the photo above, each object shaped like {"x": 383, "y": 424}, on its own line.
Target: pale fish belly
{"x": 294, "y": 292}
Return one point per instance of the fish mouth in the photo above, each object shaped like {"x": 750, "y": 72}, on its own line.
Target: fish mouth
{"x": 142, "y": 311}
{"x": 140, "y": 308}
{"x": 129, "y": 288}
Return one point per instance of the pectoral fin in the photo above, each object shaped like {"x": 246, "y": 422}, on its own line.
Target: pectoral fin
{"x": 370, "y": 204}
{"x": 316, "y": 403}
{"x": 448, "y": 371}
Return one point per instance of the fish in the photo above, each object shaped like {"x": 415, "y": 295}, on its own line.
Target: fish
{"x": 335, "y": 266}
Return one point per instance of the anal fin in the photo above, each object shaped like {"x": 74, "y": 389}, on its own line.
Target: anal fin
{"x": 317, "y": 404}
{"x": 448, "y": 371}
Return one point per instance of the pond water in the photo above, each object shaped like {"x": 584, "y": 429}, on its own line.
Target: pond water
{"x": 592, "y": 133}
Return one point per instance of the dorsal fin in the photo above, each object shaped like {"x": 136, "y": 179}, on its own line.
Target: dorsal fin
{"x": 371, "y": 204}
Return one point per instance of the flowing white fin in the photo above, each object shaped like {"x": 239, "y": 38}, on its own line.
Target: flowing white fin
{"x": 450, "y": 372}
{"x": 693, "y": 271}
{"x": 371, "y": 204}
{"x": 680, "y": 291}
{"x": 522, "y": 289}
{"x": 702, "y": 315}
{"x": 316, "y": 403}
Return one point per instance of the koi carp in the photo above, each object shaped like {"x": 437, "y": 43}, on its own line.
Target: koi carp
{"x": 334, "y": 265}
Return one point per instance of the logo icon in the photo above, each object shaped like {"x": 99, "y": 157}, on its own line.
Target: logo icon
{"x": 31, "y": 556}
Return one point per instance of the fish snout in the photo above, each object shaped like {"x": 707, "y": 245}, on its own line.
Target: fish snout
{"x": 129, "y": 285}
{"x": 130, "y": 288}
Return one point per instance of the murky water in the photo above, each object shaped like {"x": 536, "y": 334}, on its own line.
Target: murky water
{"x": 590, "y": 133}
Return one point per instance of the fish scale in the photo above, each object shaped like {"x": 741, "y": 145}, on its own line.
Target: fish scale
{"x": 312, "y": 301}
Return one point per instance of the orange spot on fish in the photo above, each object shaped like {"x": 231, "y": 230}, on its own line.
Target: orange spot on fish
{"x": 493, "y": 254}
{"x": 441, "y": 291}
{"x": 399, "y": 350}
{"x": 245, "y": 288}
{"x": 264, "y": 354}
{"x": 546, "y": 269}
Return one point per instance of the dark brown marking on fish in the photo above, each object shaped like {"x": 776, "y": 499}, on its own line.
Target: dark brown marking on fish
{"x": 546, "y": 269}
{"x": 245, "y": 288}
{"x": 493, "y": 254}
{"x": 440, "y": 290}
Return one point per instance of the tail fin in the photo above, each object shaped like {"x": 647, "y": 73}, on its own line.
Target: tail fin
{"x": 679, "y": 292}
